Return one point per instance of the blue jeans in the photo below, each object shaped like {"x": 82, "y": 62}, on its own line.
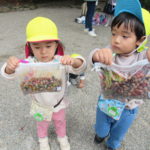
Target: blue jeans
{"x": 114, "y": 129}
{"x": 89, "y": 15}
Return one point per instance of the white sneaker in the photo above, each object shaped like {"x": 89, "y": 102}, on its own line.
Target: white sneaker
{"x": 86, "y": 30}
{"x": 44, "y": 143}
{"x": 64, "y": 144}
{"x": 107, "y": 24}
{"x": 68, "y": 83}
{"x": 92, "y": 33}
{"x": 80, "y": 19}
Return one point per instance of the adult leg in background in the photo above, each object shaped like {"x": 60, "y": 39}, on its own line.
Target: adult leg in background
{"x": 89, "y": 15}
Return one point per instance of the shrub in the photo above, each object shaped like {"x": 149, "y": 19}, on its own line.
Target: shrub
{"x": 145, "y": 4}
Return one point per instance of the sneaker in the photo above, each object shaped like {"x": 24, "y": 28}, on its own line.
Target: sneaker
{"x": 44, "y": 143}
{"x": 98, "y": 140}
{"x": 107, "y": 23}
{"x": 80, "y": 19}
{"x": 68, "y": 83}
{"x": 92, "y": 33}
{"x": 86, "y": 30}
{"x": 64, "y": 144}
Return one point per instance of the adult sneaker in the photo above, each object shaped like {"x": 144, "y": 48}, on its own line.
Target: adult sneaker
{"x": 92, "y": 33}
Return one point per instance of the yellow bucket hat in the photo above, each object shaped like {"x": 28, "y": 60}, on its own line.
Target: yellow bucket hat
{"x": 146, "y": 20}
{"x": 75, "y": 55}
{"x": 41, "y": 29}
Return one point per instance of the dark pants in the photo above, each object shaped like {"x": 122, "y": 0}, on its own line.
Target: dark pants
{"x": 74, "y": 76}
{"x": 89, "y": 15}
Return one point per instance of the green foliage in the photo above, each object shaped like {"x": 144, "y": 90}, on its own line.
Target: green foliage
{"x": 145, "y": 4}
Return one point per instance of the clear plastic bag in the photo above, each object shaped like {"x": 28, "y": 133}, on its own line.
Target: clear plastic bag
{"x": 125, "y": 82}
{"x": 40, "y": 77}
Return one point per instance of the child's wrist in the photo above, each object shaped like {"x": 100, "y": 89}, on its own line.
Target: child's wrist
{"x": 77, "y": 62}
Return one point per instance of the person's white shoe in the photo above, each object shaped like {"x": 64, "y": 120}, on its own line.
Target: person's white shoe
{"x": 80, "y": 19}
{"x": 68, "y": 83}
{"x": 44, "y": 145}
{"x": 107, "y": 24}
{"x": 92, "y": 33}
{"x": 86, "y": 30}
{"x": 64, "y": 144}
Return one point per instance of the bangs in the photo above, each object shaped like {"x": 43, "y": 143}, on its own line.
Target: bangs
{"x": 126, "y": 19}
{"x": 130, "y": 22}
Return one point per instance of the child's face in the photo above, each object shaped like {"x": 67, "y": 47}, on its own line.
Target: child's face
{"x": 123, "y": 40}
{"x": 44, "y": 51}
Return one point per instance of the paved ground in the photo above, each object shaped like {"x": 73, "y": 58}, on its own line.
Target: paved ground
{"x": 17, "y": 128}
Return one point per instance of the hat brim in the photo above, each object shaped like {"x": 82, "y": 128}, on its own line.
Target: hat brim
{"x": 43, "y": 38}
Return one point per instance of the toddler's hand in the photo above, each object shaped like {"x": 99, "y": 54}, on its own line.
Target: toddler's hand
{"x": 12, "y": 64}
{"x": 148, "y": 54}
{"x": 67, "y": 60}
{"x": 103, "y": 56}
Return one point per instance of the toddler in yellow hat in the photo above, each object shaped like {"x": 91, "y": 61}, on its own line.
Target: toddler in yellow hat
{"x": 44, "y": 46}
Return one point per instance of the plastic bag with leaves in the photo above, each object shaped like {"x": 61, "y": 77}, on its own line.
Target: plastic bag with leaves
{"x": 119, "y": 82}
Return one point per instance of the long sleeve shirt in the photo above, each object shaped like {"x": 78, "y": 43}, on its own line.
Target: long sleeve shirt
{"x": 124, "y": 60}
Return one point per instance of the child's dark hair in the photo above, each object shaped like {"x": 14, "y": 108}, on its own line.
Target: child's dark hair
{"x": 129, "y": 20}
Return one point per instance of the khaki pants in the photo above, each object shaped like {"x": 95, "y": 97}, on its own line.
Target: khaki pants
{"x": 84, "y": 9}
